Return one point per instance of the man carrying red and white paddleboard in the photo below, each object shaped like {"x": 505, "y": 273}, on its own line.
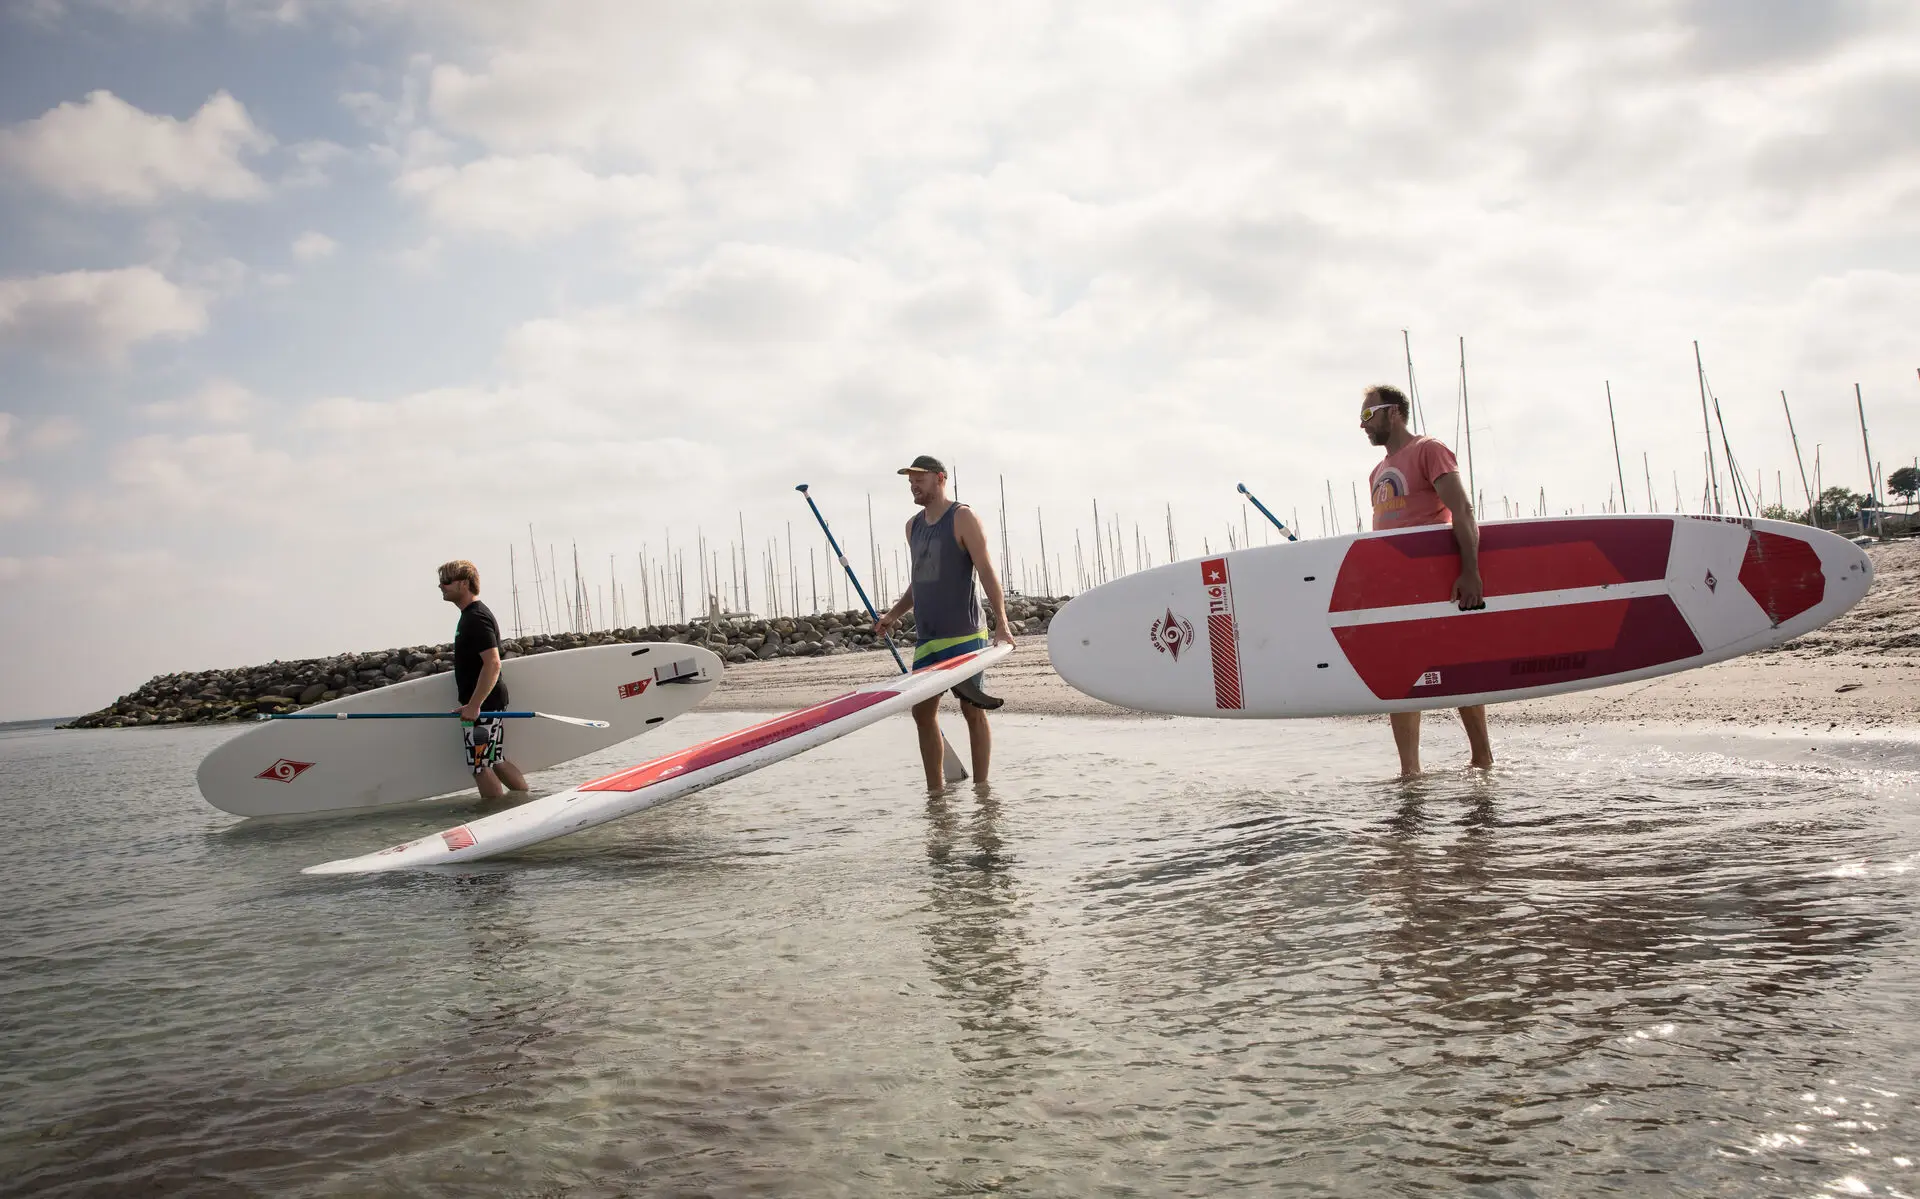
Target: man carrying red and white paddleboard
{"x": 1418, "y": 483}
{"x": 948, "y": 544}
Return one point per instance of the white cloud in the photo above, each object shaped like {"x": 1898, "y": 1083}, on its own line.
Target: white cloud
{"x": 313, "y": 162}
{"x": 218, "y": 403}
{"x": 162, "y": 477}
{"x": 534, "y": 196}
{"x": 53, "y": 433}
{"x": 105, "y": 150}
{"x": 96, "y": 313}
{"x": 17, "y": 499}
{"x": 247, "y": 13}
{"x": 312, "y": 246}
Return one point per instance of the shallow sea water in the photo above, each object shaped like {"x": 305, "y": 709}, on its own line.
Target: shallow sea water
{"x": 1156, "y": 957}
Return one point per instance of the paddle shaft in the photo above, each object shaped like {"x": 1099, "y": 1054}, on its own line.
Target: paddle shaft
{"x": 851, "y": 577}
{"x": 1263, "y": 511}
{"x": 597, "y": 724}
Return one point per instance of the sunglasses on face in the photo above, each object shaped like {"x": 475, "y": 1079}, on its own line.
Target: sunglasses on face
{"x": 1367, "y": 411}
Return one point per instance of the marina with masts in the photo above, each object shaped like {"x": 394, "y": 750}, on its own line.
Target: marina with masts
{"x": 780, "y": 572}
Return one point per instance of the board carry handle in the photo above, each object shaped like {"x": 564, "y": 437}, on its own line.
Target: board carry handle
{"x": 582, "y": 721}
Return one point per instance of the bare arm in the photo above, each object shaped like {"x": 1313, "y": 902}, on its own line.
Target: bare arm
{"x": 483, "y": 686}
{"x": 973, "y": 537}
{"x": 1466, "y": 534}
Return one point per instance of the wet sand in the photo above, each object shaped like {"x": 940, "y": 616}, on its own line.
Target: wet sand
{"x": 1860, "y": 672}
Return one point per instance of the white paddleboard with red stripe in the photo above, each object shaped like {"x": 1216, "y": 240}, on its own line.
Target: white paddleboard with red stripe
{"x": 288, "y": 767}
{"x": 692, "y": 769}
{"x": 1360, "y": 624}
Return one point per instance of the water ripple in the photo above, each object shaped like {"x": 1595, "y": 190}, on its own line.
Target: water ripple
{"x": 1154, "y": 957}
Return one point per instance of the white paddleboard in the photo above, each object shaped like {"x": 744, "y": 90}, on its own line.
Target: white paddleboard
{"x": 284, "y": 767}
{"x": 692, "y": 769}
{"x": 1364, "y": 623}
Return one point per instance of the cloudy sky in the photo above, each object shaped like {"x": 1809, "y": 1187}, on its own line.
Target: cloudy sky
{"x": 298, "y": 299}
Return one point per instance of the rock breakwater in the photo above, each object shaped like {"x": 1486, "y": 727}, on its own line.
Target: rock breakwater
{"x": 248, "y": 692}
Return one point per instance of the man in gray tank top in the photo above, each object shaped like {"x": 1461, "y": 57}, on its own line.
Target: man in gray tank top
{"x": 948, "y": 546}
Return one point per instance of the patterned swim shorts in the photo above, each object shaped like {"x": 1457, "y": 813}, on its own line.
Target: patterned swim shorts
{"x": 486, "y": 742}
{"x": 933, "y": 652}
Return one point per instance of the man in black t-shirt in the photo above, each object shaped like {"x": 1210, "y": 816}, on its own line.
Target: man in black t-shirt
{"x": 476, "y": 676}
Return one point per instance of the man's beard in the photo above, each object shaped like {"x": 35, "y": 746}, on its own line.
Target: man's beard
{"x": 1378, "y": 436}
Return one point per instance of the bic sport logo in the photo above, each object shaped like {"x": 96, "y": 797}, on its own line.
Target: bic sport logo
{"x": 1172, "y": 634}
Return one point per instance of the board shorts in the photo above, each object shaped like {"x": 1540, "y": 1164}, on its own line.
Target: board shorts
{"x": 946, "y": 649}
{"x": 486, "y": 741}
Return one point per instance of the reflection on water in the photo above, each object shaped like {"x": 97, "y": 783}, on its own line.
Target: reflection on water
{"x": 1155, "y": 957}
{"x": 977, "y": 949}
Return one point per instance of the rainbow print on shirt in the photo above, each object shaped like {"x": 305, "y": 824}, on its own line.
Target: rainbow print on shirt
{"x": 1389, "y": 492}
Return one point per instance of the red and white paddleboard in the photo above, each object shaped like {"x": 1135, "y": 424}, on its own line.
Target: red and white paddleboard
{"x": 692, "y": 769}
{"x": 1364, "y": 623}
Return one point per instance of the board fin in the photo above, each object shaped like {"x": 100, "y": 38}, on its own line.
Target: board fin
{"x": 969, "y": 692}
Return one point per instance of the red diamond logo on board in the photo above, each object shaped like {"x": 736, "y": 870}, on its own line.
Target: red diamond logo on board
{"x": 629, "y": 690}
{"x": 457, "y": 838}
{"x": 1171, "y": 634}
{"x": 284, "y": 771}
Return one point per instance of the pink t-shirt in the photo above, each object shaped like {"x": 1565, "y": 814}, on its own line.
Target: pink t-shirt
{"x": 1402, "y": 485}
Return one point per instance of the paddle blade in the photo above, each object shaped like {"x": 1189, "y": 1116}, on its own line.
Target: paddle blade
{"x": 955, "y": 772}
{"x": 579, "y": 720}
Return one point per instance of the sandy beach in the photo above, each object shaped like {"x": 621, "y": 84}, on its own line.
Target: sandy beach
{"x": 1860, "y": 672}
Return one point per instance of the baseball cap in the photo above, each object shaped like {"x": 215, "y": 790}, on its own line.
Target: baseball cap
{"x": 926, "y": 462}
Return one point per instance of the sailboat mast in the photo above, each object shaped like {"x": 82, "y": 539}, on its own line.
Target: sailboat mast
{"x": 1872, "y": 483}
{"x": 1617, "y": 471}
{"x": 1706, "y": 426}
{"x": 1797, "y": 459}
{"x": 1413, "y": 389}
{"x": 1467, "y": 409}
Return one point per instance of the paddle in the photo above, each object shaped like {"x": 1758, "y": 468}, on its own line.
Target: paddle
{"x": 1263, "y": 511}
{"x": 579, "y": 720}
{"x": 950, "y": 761}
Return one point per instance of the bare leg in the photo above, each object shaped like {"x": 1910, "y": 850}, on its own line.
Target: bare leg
{"x": 980, "y": 739}
{"x": 510, "y": 774}
{"x": 1406, "y": 739}
{"x": 490, "y": 787}
{"x": 1475, "y": 720}
{"x": 926, "y": 718}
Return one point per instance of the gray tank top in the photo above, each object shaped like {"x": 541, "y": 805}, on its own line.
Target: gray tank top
{"x": 944, "y": 604}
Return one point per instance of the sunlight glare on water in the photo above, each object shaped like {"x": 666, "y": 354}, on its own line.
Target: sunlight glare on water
{"x": 1154, "y": 957}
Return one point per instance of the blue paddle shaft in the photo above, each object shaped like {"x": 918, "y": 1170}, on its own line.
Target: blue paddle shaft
{"x": 396, "y": 715}
{"x": 848, "y": 567}
{"x": 1263, "y": 511}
